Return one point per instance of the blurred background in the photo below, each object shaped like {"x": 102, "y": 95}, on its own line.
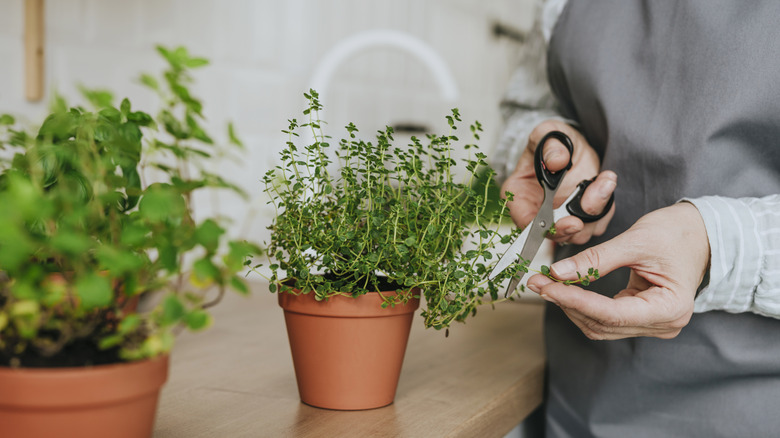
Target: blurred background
{"x": 402, "y": 63}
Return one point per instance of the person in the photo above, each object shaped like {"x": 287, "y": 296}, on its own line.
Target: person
{"x": 675, "y": 107}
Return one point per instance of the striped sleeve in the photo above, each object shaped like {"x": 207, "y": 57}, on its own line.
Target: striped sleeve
{"x": 744, "y": 237}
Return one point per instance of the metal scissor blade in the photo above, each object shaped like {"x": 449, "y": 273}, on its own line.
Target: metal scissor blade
{"x": 537, "y": 230}
{"x": 511, "y": 254}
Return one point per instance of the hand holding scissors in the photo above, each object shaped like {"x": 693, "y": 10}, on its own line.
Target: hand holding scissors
{"x": 527, "y": 244}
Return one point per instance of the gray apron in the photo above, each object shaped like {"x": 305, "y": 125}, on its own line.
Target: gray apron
{"x": 681, "y": 99}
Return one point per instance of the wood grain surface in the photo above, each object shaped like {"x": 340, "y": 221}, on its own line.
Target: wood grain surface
{"x": 237, "y": 379}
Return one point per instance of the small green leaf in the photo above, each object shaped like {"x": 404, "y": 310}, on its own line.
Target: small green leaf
{"x": 161, "y": 202}
{"x": 6, "y": 119}
{"x": 205, "y": 271}
{"x": 239, "y": 285}
{"x": 134, "y": 234}
{"x": 27, "y": 307}
{"x": 168, "y": 257}
{"x": 233, "y": 137}
{"x": 94, "y": 291}
{"x": 129, "y": 324}
{"x": 198, "y": 320}
{"x": 110, "y": 341}
{"x": 208, "y": 234}
{"x": 150, "y": 81}
{"x": 98, "y": 98}
{"x": 172, "y": 311}
{"x": 71, "y": 243}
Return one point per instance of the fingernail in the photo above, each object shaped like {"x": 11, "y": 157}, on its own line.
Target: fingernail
{"x": 571, "y": 230}
{"x": 549, "y": 298}
{"x": 563, "y": 268}
{"x": 606, "y": 189}
{"x": 534, "y": 288}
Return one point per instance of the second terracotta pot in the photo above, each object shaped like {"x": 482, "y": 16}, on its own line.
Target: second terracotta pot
{"x": 347, "y": 352}
{"x": 117, "y": 401}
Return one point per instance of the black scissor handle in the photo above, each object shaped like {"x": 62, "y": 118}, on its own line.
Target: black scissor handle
{"x": 575, "y": 206}
{"x": 546, "y": 177}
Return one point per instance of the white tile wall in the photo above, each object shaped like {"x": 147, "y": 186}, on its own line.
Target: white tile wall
{"x": 263, "y": 54}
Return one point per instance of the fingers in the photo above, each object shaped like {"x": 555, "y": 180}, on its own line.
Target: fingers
{"x": 555, "y": 155}
{"x": 605, "y": 257}
{"x": 631, "y": 313}
{"x": 597, "y": 195}
{"x": 522, "y": 183}
{"x": 527, "y": 197}
{"x": 571, "y": 229}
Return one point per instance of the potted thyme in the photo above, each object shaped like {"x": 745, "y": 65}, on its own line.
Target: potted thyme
{"x": 364, "y": 229}
{"x": 82, "y": 236}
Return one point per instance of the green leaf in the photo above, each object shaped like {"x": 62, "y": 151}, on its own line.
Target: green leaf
{"x": 172, "y": 311}
{"x": 21, "y": 308}
{"x": 233, "y": 137}
{"x": 198, "y": 320}
{"x": 161, "y": 202}
{"x": 545, "y": 270}
{"x": 134, "y": 234}
{"x": 150, "y": 81}
{"x": 71, "y": 243}
{"x": 239, "y": 285}
{"x": 119, "y": 262}
{"x": 125, "y": 107}
{"x": 129, "y": 324}
{"x": 59, "y": 126}
{"x": 238, "y": 252}
{"x": 6, "y": 119}
{"x": 110, "y": 341}
{"x": 168, "y": 256}
{"x": 205, "y": 271}
{"x": 94, "y": 291}
{"x": 208, "y": 235}
{"x": 98, "y": 98}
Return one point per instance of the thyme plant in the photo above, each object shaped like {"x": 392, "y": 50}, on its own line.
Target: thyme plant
{"x": 360, "y": 216}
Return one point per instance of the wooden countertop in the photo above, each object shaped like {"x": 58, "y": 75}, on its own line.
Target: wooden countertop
{"x": 237, "y": 379}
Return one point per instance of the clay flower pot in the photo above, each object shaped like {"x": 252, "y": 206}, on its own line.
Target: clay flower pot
{"x": 117, "y": 401}
{"x": 347, "y": 352}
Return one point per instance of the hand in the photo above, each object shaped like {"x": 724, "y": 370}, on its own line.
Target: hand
{"x": 528, "y": 194}
{"x": 668, "y": 253}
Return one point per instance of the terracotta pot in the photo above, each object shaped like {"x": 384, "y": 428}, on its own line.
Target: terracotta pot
{"x": 347, "y": 352}
{"x": 117, "y": 401}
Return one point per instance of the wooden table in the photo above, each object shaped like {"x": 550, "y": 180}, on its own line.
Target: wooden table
{"x": 237, "y": 379}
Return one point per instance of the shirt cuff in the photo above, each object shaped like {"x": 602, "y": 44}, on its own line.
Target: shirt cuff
{"x": 735, "y": 255}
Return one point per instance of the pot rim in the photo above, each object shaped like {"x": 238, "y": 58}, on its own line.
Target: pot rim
{"x": 47, "y": 388}
{"x": 368, "y": 305}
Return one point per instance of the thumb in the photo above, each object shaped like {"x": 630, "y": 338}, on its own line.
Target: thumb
{"x": 605, "y": 258}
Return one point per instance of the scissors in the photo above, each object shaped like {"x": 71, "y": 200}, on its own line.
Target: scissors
{"x": 527, "y": 244}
